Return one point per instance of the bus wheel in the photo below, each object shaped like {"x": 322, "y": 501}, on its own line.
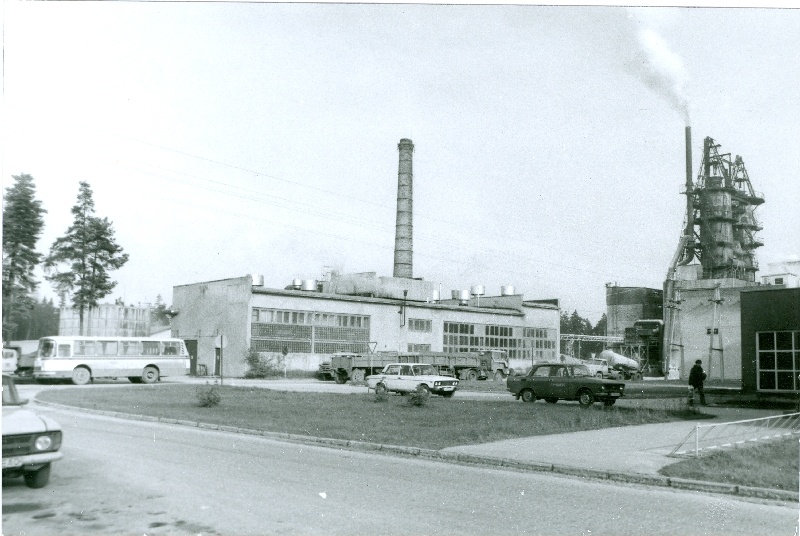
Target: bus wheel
{"x": 81, "y": 376}
{"x": 150, "y": 375}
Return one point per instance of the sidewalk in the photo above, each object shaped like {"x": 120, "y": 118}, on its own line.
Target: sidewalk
{"x": 642, "y": 449}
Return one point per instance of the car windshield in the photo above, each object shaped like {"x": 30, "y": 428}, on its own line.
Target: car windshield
{"x": 580, "y": 370}
{"x": 10, "y": 397}
{"x": 424, "y": 370}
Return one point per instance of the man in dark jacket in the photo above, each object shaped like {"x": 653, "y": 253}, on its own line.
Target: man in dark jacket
{"x": 696, "y": 378}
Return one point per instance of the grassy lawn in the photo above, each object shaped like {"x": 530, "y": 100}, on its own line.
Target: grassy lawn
{"x": 770, "y": 465}
{"x": 438, "y": 424}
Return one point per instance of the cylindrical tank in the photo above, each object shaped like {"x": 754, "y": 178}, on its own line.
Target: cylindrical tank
{"x": 618, "y": 360}
{"x": 626, "y": 305}
{"x": 477, "y": 290}
{"x": 435, "y": 296}
{"x": 507, "y": 290}
{"x": 297, "y": 283}
{"x": 309, "y": 285}
{"x": 463, "y": 296}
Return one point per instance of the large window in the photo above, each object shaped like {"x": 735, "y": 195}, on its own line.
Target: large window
{"x": 778, "y": 360}
{"x": 520, "y": 342}
{"x": 273, "y": 330}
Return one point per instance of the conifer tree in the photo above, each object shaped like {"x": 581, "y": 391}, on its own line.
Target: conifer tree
{"x": 80, "y": 261}
{"x": 22, "y": 224}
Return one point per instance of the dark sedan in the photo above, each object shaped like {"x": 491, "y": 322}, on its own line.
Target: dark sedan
{"x": 555, "y": 381}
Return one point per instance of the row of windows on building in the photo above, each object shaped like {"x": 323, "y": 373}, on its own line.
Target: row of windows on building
{"x": 275, "y": 330}
{"x": 778, "y": 360}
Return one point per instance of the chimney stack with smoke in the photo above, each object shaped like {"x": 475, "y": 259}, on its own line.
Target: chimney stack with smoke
{"x": 403, "y": 251}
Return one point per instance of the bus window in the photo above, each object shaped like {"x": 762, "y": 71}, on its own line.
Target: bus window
{"x": 107, "y": 347}
{"x": 131, "y": 348}
{"x": 63, "y": 350}
{"x": 47, "y": 348}
{"x": 84, "y": 348}
{"x": 172, "y": 348}
{"x": 150, "y": 348}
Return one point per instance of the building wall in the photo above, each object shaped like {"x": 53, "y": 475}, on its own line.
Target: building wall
{"x": 770, "y": 310}
{"x": 309, "y": 326}
{"x": 208, "y": 310}
{"x": 721, "y": 352}
{"x": 106, "y": 320}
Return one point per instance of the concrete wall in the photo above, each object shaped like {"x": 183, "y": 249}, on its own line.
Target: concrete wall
{"x": 720, "y": 352}
{"x": 207, "y": 310}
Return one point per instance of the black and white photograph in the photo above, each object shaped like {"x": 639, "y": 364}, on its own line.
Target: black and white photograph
{"x": 319, "y": 268}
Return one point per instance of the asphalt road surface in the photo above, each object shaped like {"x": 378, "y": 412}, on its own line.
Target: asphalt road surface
{"x": 130, "y": 477}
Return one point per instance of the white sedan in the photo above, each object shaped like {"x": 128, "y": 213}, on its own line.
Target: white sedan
{"x": 407, "y": 377}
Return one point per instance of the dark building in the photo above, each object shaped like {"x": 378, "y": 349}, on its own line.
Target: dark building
{"x": 770, "y": 340}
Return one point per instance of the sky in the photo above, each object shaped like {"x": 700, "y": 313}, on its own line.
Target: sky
{"x": 224, "y": 139}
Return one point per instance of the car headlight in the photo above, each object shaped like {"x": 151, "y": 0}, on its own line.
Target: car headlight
{"x": 437, "y": 384}
{"x": 43, "y": 442}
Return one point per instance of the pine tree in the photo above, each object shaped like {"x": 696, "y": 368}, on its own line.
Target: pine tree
{"x": 79, "y": 262}
{"x": 22, "y": 224}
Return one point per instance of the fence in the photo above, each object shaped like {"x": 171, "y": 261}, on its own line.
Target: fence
{"x": 707, "y": 438}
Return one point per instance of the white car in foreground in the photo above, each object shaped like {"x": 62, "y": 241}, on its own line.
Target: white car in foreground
{"x": 407, "y": 377}
{"x": 30, "y": 441}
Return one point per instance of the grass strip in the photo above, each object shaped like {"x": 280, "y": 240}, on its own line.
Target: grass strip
{"x": 439, "y": 423}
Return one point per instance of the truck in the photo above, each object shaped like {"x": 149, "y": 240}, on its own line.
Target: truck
{"x": 486, "y": 364}
{"x": 621, "y": 366}
{"x": 597, "y": 367}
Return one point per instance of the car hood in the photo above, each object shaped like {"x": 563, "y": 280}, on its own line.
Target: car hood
{"x": 18, "y": 420}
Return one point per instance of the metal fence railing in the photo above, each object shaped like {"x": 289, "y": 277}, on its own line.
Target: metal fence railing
{"x": 707, "y": 438}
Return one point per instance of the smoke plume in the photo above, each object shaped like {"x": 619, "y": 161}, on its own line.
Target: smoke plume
{"x": 662, "y": 70}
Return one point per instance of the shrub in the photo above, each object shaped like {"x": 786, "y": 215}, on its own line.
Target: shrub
{"x": 208, "y": 397}
{"x": 262, "y": 366}
{"x": 381, "y": 395}
{"x": 418, "y": 396}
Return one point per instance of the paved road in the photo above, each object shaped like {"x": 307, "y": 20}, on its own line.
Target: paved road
{"x": 130, "y": 477}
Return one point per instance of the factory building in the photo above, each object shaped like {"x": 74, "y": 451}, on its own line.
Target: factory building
{"x": 714, "y": 264}
{"x": 306, "y": 321}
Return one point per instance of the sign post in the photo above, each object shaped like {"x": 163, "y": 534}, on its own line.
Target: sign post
{"x": 220, "y": 342}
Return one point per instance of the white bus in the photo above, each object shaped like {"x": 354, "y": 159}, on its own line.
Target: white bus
{"x": 82, "y": 359}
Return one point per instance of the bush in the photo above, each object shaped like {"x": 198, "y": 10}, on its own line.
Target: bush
{"x": 208, "y": 397}
{"x": 381, "y": 395}
{"x": 262, "y": 366}
{"x": 419, "y": 396}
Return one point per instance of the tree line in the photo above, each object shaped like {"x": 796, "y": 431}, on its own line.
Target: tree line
{"x": 575, "y": 324}
{"x": 78, "y": 264}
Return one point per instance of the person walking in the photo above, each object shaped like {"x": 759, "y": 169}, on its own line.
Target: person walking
{"x": 696, "y": 378}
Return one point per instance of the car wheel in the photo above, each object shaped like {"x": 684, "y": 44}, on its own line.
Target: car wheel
{"x": 135, "y": 379}
{"x": 150, "y": 375}
{"x": 609, "y": 402}
{"x": 499, "y": 376}
{"x": 38, "y": 478}
{"x": 471, "y": 375}
{"x": 551, "y": 400}
{"x": 599, "y": 375}
{"x": 358, "y": 375}
{"x": 527, "y": 396}
{"x": 448, "y": 394}
{"x": 424, "y": 389}
{"x": 381, "y": 390}
{"x": 585, "y": 398}
{"x": 81, "y": 376}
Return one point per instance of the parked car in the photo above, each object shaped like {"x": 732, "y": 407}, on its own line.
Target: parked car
{"x": 30, "y": 441}
{"x": 556, "y": 381}
{"x": 406, "y": 377}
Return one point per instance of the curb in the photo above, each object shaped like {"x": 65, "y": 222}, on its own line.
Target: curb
{"x": 469, "y": 459}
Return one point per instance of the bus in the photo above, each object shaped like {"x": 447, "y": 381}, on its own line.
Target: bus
{"x": 82, "y": 359}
